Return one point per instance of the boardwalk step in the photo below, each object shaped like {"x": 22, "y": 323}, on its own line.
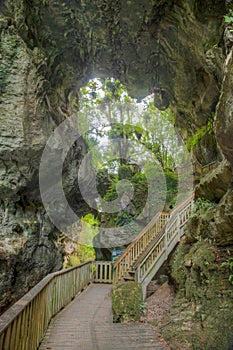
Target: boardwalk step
{"x": 128, "y": 278}
{"x": 144, "y": 256}
{"x": 87, "y": 324}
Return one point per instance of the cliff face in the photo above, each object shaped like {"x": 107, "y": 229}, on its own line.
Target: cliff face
{"x": 27, "y": 251}
{"x": 49, "y": 49}
{"x": 30, "y": 108}
{"x": 202, "y": 312}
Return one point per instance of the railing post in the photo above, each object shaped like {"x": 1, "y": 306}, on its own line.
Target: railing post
{"x": 166, "y": 242}
{"x": 92, "y": 277}
{"x": 178, "y": 226}
{"x": 192, "y": 205}
{"x": 137, "y": 275}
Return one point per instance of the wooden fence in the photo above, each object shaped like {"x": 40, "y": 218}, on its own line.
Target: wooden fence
{"x": 102, "y": 272}
{"x": 157, "y": 253}
{"x": 135, "y": 249}
{"x": 148, "y": 252}
{"x": 23, "y": 326}
{"x": 197, "y": 169}
{"x": 202, "y": 170}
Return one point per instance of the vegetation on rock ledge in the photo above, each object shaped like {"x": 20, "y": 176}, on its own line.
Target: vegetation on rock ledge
{"x": 127, "y": 302}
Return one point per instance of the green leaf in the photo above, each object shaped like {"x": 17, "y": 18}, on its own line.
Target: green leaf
{"x": 228, "y": 19}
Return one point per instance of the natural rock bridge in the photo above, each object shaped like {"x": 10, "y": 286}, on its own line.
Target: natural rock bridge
{"x": 87, "y": 322}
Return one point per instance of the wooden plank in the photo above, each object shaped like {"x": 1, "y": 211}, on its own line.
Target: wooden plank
{"x": 24, "y": 324}
{"x": 156, "y": 256}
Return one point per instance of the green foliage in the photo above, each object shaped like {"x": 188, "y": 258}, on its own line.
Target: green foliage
{"x": 89, "y": 230}
{"x": 229, "y": 17}
{"x": 127, "y": 302}
{"x": 73, "y": 261}
{"x": 200, "y": 133}
{"x": 85, "y": 253}
{"x": 172, "y": 186}
{"x": 202, "y": 206}
{"x": 124, "y": 172}
{"x": 113, "y": 113}
{"x": 229, "y": 264}
{"x": 139, "y": 183}
{"x": 90, "y": 219}
{"x": 131, "y": 129}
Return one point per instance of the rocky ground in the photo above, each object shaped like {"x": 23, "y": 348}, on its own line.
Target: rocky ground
{"x": 156, "y": 307}
{"x": 181, "y": 324}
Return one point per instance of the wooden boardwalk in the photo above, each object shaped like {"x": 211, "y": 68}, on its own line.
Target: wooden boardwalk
{"x": 86, "y": 324}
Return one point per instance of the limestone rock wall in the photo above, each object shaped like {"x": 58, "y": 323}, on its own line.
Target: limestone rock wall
{"x": 27, "y": 252}
{"x": 29, "y": 112}
{"x": 199, "y": 267}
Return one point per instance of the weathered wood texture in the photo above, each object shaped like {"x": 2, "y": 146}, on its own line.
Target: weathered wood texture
{"x": 158, "y": 251}
{"x": 135, "y": 249}
{"x": 197, "y": 169}
{"x": 149, "y": 251}
{"x": 23, "y": 326}
{"x": 87, "y": 324}
{"x": 102, "y": 272}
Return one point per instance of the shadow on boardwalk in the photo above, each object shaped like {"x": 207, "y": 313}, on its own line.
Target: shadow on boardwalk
{"x": 86, "y": 324}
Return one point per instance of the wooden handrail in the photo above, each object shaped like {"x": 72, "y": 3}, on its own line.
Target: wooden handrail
{"x": 133, "y": 251}
{"x": 150, "y": 262}
{"x": 23, "y": 326}
{"x": 145, "y": 241}
{"x": 185, "y": 206}
{"x": 102, "y": 272}
{"x": 201, "y": 169}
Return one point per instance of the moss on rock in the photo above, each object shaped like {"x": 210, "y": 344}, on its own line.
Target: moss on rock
{"x": 202, "y": 311}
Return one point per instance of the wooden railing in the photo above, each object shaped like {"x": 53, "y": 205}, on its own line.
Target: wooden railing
{"x": 151, "y": 261}
{"x": 138, "y": 246}
{"x": 102, "y": 272}
{"x": 158, "y": 238}
{"x": 197, "y": 169}
{"x": 202, "y": 170}
{"x": 23, "y": 326}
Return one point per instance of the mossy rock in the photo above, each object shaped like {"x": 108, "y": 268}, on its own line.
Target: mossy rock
{"x": 73, "y": 261}
{"x": 127, "y": 302}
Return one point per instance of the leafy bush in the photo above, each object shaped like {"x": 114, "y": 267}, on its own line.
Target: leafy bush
{"x": 124, "y": 172}
{"x": 172, "y": 186}
{"x": 202, "y": 206}
{"x": 127, "y": 302}
{"x": 229, "y": 17}
{"x": 73, "y": 261}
